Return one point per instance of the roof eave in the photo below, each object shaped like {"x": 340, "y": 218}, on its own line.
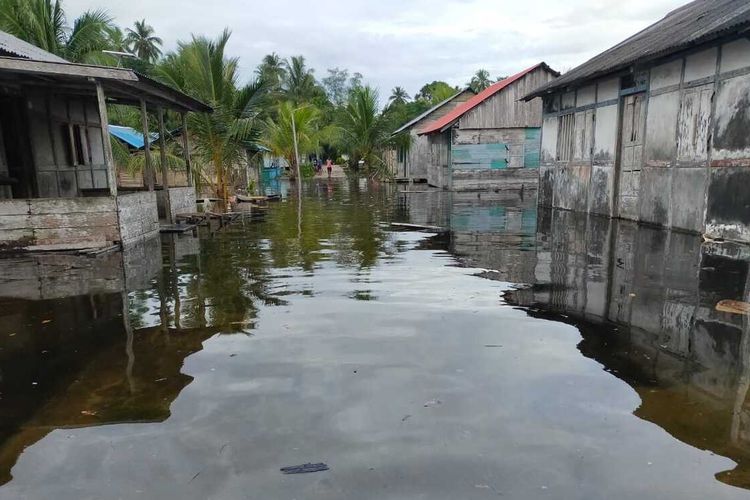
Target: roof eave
{"x": 427, "y": 113}
{"x": 117, "y": 78}
{"x": 555, "y": 87}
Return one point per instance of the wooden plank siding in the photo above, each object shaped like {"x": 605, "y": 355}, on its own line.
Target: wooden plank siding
{"x": 496, "y": 145}
{"x": 58, "y": 223}
{"x": 506, "y": 110}
{"x": 416, "y": 161}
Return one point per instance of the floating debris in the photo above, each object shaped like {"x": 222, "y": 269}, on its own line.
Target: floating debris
{"x": 733, "y": 307}
{"x": 432, "y": 402}
{"x": 304, "y": 468}
{"x": 418, "y": 227}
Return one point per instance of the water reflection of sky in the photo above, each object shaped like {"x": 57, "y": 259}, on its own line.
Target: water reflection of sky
{"x": 383, "y": 354}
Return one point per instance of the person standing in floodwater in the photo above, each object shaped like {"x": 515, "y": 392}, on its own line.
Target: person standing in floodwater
{"x": 329, "y": 167}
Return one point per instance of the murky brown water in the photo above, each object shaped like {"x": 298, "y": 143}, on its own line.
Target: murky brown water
{"x": 525, "y": 355}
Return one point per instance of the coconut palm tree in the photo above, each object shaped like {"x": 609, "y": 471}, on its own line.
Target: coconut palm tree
{"x": 117, "y": 39}
{"x": 299, "y": 84}
{"x": 44, "y": 24}
{"x": 200, "y": 68}
{"x": 364, "y": 131}
{"x": 279, "y": 136}
{"x": 142, "y": 42}
{"x": 272, "y": 69}
{"x": 398, "y": 96}
{"x": 480, "y": 81}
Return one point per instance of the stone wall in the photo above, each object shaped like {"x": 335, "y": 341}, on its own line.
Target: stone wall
{"x": 182, "y": 200}
{"x": 139, "y": 219}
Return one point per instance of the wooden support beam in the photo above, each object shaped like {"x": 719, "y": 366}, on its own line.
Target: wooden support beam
{"x": 186, "y": 150}
{"x": 149, "y": 178}
{"x": 164, "y": 172}
{"x": 66, "y": 69}
{"x": 109, "y": 159}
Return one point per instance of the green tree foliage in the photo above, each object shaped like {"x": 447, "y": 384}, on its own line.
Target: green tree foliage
{"x": 436, "y": 92}
{"x": 364, "y": 131}
{"x": 480, "y": 81}
{"x": 117, "y": 39}
{"x": 279, "y": 137}
{"x": 44, "y": 24}
{"x": 299, "y": 85}
{"x": 272, "y": 70}
{"x": 142, "y": 42}
{"x": 398, "y": 97}
{"x": 335, "y": 85}
{"x": 280, "y": 134}
{"x": 200, "y": 68}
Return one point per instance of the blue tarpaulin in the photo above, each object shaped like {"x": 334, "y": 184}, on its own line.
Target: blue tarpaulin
{"x": 131, "y": 136}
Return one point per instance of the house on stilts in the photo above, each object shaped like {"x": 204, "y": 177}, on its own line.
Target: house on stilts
{"x": 58, "y": 187}
{"x": 491, "y": 141}
{"x": 657, "y": 128}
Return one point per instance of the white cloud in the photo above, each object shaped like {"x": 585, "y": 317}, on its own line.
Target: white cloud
{"x": 393, "y": 42}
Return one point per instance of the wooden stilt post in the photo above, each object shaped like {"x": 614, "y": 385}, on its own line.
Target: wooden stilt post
{"x": 164, "y": 172}
{"x": 148, "y": 172}
{"x": 109, "y": 159}
{"x": 186, "y": 150}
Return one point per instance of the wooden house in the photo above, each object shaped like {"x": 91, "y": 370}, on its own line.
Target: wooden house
{"x": 655, "y": 129}
{"x": 58, "y": 187}
{"x": 412, "y": 160}
{"x": 491, "y": 141}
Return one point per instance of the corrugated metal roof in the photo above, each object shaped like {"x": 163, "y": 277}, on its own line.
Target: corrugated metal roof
{"x": 16, "y": 47}
{"x": 430, "y": 111}
{"x": 697, "y": 22}
{"x": 131, "y": 136}
{"x": 461, "y": 109}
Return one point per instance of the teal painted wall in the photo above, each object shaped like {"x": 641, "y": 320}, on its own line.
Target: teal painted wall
{"x": 532, "y": 147}
{"x": 479, "y": 155}
{"x": 497, "y": 155}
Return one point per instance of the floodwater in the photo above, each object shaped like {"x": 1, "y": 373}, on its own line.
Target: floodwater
{"x": 524, "y": 354}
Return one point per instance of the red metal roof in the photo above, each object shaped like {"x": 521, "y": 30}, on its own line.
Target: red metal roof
{"x": 460, "y": 110}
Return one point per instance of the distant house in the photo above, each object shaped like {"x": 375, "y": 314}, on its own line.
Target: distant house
{"x": 411, "y": 161}
{"x": 58, "y": 185}
{"x": 657, "y": 128}
{"x": 131, "y": 137}
{"x": 491, "y": 141}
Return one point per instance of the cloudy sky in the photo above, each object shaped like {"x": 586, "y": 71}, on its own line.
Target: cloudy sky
{"x": 399, "y": 42}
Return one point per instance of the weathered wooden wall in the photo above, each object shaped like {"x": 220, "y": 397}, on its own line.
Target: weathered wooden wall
{"x": 174, "y": 178}
{"x": 496, "y": 145}
{"x": 496, "y": 148}
{"x": 416, "y": 162}
{"x": 58, "y": 223}
{"x": 55, "y": 122}
{"x": 139, "y": 219}
{"x": 438, "y": 172}
{"x": 694, "y": 165}
{"x": 5, "y": 191}
{"x": 506, "y": 109}
{"x": 493, "y": 159}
